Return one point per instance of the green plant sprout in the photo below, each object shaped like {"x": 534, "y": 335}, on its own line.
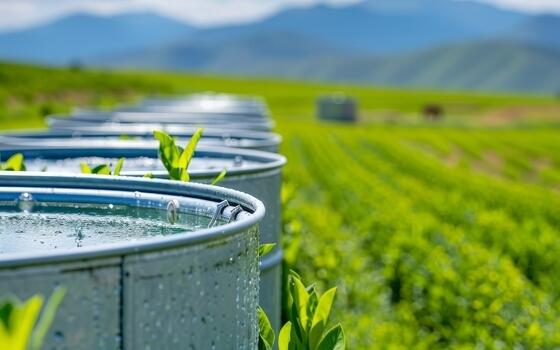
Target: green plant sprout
{"x": 266, "y": 333}
{"x": 220, "y": 177}
{"x": 176, "y": 159}
{"x": 14, "y": 163}
{"x": 306, "y": 329}
{"x": 20, "y": 325}
{"x": 103, "y": 169}
{"x": 265, "y": 249}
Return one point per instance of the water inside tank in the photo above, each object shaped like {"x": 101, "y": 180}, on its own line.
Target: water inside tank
{"x": 27, "y": 225}
{"x": 134, "y": 139}
{"x": 101, "y": 140}
{"x": 72, "y": 165}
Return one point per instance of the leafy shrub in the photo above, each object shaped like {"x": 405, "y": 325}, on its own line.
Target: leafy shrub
{"x": 425, "y": 256}
{"x": 307, "y": 327}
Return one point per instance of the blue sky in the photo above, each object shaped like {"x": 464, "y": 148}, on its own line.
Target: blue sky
{"x": 22, "y": 13}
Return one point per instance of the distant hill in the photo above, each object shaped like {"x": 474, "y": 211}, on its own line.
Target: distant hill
{"x": 542, "y": 30}
{"x": 486, "y": 65}
{"x": 382, "y": 26}
{"x": 81, "y": 36}
{"x": 432, "y": 43}
{"x": 476, "y": 17}
{"x": 263, "y": 53}
{"x": 372, "y": 26}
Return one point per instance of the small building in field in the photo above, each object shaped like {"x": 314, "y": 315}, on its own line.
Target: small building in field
{"x": 337, "y": 108}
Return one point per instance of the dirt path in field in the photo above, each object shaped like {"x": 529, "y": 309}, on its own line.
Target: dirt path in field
{"x": 520, "y": 114}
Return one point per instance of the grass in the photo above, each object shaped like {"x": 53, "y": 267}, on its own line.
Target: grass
{"x": 438, "y": 235}
{"x": 28, "y": 93}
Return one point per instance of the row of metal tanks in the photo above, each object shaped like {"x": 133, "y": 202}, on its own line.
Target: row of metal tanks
{"x": 147, "y": 263}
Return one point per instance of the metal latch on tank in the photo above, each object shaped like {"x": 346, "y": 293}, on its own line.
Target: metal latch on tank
{"x": 227, "y": 211}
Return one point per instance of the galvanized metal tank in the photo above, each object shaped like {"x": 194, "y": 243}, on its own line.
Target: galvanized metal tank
{"x": 163, "y": 115}
{"x": 219, "y": 99}
{"x": 254, "y": 113}
{"x": 100, "y": 118}
{"x": 207, "y": 103}
{"x": 263, "y": 141}
{"x": 256, "y": 173}
{"x": 195, "y": 290}
{"x": 189, "y": 109}
{"x": 337, "y": 107}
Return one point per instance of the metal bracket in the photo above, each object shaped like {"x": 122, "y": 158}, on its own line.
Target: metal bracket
{"x": 219, "y": 209}
{"x": 234, "y": 213}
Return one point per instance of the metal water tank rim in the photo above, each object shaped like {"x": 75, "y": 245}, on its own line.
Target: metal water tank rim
{"x": 165, "y": 187}
{"x": 267, "y": 160}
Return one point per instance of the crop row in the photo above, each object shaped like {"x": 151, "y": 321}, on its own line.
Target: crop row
{"x": 426, "y": 255}
{"x": 527, "y": 156}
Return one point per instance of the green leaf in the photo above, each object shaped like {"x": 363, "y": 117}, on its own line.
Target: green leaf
{"x": 266, "y": 334}
{"x": 47, "y": 318}
{"x": 284, "y": 336}
{"x": 21, "y": 321}
{"x": 118, "y": 167}
{"x": 298, "y": 333}
{"x": 148, "y": 176}
{"x": 102, "y": 169}
{"x": 263, "y": 345}
{"x": 311, "y": 288}
{"x": 266, "y": 248}
{"x": 182, "y": 164}
{"x": 333, "y": 340}
{"x": 85, "y": 168}
{"x": 168, "y": 153}
{"x": 188, "y": 152}
{"x": 164, "y": 138}
{"x": 6, "y": 309}
{"x": 293, "y": 273}
{"x": 15, "y": 163}
{"x": 311, "y": 304}
{"x": 321, "y": 317}
{"x": 175, "y": 159}
{"x": 220, "y": 177}
{"x": 295, "y": 341}
{"x": 185, "y": 177}
{"x": 300, "y": 303}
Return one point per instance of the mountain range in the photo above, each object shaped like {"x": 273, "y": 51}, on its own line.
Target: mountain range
{"x": 425, "y": 43}
{"x": 82, "y": 35}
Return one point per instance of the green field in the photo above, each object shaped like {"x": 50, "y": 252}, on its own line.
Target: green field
{"x": 438, "y": 235}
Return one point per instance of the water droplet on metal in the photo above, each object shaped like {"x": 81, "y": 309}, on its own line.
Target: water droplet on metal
{"x": 79, "y": 235}
{"x": 59, "y": 336}
{"x": 26, "y": 202}
{"x": 237, "y": 161}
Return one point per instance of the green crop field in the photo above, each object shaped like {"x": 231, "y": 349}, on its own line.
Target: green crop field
{"x": 438, "y": 235}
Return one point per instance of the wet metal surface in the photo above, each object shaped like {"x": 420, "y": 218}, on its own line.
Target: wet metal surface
{"x": 172, "y": 292}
